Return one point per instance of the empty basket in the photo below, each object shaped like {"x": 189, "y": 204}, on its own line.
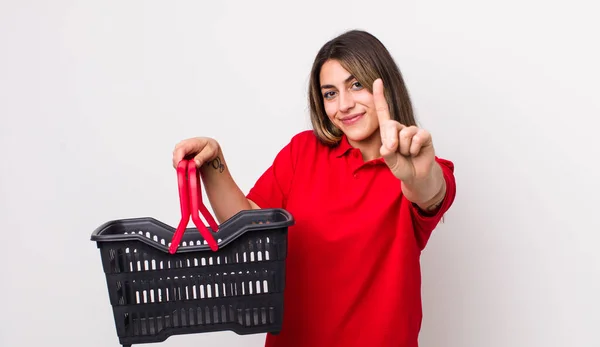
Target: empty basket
{"x": 164, "y": 281}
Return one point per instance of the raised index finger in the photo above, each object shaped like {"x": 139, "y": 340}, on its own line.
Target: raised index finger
{"x": 381, "y": 106}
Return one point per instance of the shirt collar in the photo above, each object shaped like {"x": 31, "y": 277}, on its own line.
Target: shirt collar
{"x": 342, "y": 147}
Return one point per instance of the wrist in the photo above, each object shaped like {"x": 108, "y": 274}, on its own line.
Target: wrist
{"x": 428, "y": 190}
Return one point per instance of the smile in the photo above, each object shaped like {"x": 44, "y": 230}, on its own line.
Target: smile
{"x": 352, "y": 118}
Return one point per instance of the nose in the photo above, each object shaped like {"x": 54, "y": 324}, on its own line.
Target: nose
{"x": 346, "y": 101}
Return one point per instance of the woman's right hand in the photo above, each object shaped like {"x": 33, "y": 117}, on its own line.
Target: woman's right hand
{"x": 201, "y": 149}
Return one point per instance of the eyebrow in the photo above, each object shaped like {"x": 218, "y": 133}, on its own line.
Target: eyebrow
{"x": 348, "y": 79}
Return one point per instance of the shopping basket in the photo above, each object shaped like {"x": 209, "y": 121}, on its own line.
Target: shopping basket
{"x": 164, "y": 281}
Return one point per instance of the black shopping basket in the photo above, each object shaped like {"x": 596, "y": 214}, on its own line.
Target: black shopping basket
{"x": 164, "y": 281}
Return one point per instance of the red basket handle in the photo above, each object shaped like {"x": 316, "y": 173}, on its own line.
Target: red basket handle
{"x": 197, "y": 205}
{"x": 190, "y": 199}
{"x": 184, "y": 201}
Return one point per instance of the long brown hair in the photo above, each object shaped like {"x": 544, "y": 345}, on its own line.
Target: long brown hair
{"x": 365, "y": 57}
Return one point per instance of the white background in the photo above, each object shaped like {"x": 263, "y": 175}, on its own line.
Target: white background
{"x": 95, "y": 94}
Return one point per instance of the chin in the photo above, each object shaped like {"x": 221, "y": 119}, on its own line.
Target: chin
{"x": 358, "y": 135}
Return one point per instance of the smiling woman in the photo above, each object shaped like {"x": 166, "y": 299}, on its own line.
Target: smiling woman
{"x": 349, "y": 106}
{"x": 368, "y": 59}
{"x": 365, "y": 189}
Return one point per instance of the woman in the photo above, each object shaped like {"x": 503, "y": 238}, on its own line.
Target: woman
{"x": 365, "y": 189}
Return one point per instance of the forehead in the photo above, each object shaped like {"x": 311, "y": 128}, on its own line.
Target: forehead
{"x": 332, "y": 72}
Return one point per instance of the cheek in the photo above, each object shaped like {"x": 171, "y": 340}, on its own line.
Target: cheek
{"x": 330, "y": 109}
{"x": 365, "y": 98}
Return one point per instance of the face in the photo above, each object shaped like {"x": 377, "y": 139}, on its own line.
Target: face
{"x": 348, "y": 104}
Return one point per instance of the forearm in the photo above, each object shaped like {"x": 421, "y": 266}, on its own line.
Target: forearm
{"x": 224, "y": 195}
{"x": 428, "y": 192}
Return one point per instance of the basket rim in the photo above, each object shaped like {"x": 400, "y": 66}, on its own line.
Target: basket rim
{"x": 99, "y": 236}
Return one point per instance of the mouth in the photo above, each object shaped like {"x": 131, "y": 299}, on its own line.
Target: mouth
{"x": 351, "y": 119}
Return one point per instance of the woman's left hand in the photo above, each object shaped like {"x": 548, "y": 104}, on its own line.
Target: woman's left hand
{"x": 407, "y": 150}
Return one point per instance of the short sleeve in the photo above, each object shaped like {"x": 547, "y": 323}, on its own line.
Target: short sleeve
{"x": 272, "y": 188}
{"x": 425, "y": 223}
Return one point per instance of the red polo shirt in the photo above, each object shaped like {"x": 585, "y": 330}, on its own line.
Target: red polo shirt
{"x": 353, "y": 274}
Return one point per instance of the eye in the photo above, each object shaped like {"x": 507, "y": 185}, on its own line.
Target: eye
{"x": 329, "y": 95}
{"x": 356, "y": 85}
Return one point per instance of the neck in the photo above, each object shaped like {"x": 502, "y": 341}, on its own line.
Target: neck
{"x": 369, "y": 147}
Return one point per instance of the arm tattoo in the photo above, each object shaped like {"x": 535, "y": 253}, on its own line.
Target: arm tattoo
{"x": 217, "y": 165}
